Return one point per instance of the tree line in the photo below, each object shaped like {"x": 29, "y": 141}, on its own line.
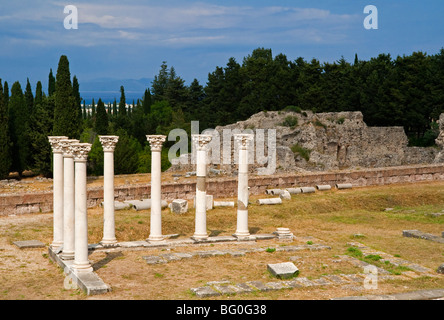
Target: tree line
{"x": 404, "y": 91}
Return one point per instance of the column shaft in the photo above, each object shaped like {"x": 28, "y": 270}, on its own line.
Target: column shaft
{"x": 68, "y": 208}
{"x": 58, "y": 199}
{"x": 201, "y": 142}
{"x": 109, "y": 236}
{"x": 156, "y": 206}
{"x": 242, "y": 231}
{"x": 81, "y": 263}
{"x": 242, "y": 191}
{"x": 156, "y": 142}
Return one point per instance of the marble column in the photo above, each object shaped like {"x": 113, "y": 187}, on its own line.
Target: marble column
{"x": 243, "y": 141}
{"x": 201, "y": 142}
{"x": 109, "y": 230}
{"x": 81, "y": 262}
{"x": 68, "y": 200}
{"x": 57, "y": 190}
{"x": 156, "y": 142}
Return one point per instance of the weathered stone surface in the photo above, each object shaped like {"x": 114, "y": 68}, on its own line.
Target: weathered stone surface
{"x": 285, "y": 195}
{"x": 179, "y": 206}
{"x": 258, "y": 285}
{"x": 29, "y": 244}
{"x": 204, "y": 292}
{"x": 284, "y": 270}
{"x": 422, "y": 235}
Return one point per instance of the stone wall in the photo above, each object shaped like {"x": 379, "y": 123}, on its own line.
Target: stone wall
{"x": 227, "y": 187}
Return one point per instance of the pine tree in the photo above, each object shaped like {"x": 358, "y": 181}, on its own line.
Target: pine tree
{"x": 5, "y": 142}
{"x": 146, "y": 103}
{"x": 160, "y": 83}
{"x": 66, "y": 117}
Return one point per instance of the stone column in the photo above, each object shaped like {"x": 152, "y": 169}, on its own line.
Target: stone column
{"x": 81, "y": 263}
{"x": 57, "y": 190}
{"x": 156, "y": 142}
{"x": 201, "y": 142}
{"x": 243, "y": 141}
{"x": 68, "y": 200}
{"x": 109, "y": 232}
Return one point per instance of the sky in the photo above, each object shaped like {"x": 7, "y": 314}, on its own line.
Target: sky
{"x": 130, "y": 39}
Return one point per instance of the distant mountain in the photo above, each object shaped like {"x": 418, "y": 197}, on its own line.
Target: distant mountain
{"x": 109, "y": 89}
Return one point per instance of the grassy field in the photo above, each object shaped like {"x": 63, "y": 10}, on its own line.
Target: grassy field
{"x": 333, "y": 218}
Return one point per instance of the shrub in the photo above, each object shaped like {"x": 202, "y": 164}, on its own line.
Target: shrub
{"x": 293, "y": 108}
{"x": 290, "y": 121}
{"x": 303, "y": 152}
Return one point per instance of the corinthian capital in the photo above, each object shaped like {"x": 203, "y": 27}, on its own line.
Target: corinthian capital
{"x": 201, "y": 140}
{"x": 80, "y": 151}
{"x": 67, "y": 146}
{"x": 55, "y": 143}
{"x": 109, "y": 142}
{"x": 156, "y": 142}
{"x": 243, "y": 139}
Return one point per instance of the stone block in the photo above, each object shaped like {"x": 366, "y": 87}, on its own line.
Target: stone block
{"x": 204, "y": 292}
{"x": 179, "y": 206}
{"x": 209, "y": 199}
{"x": 283, "y": 270}
{"x": 285, "y": 195}
{"x": 29, "y": 244}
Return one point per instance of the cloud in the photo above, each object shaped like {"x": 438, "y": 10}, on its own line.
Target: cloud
{"x": 190, "y": 24}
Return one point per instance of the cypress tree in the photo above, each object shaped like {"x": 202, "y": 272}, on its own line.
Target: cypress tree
{"x": 66, "y": 113}
{"x": 29, "y": 97}
{"x": 5, "y": 142}
{"x": 19, "y": 130}
{"x": 101, "y": 123}
{"x": 146, "y": 103}
{"x": 122, "y": 103}
{"x": 78, "y": 99}
{"x": 41, "y": 129}
{"x": 114, "y": 108}
{"x": 6, "y": 94}
{"x": 38, "y": 94}
{"x": 51, "y": 83}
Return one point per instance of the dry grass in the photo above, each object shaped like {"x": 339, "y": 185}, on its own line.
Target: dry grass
{"x": 331, "y": 217}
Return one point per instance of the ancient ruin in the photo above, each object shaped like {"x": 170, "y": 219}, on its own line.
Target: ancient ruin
{"x": 308, "y": 142}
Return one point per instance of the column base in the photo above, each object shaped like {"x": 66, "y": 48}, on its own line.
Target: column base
{"x": 244, "y": 236}
{"x": 82, "y": 268}
{"x": 199, "y": 237}
{"x": 67, "y": 256}
{"x": 56, "y": 245}
{"x": 155, "y": 238}
{"x": 109, "y": 243}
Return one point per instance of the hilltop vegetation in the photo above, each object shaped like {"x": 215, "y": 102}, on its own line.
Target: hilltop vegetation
{"x": 404, "y": 91}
